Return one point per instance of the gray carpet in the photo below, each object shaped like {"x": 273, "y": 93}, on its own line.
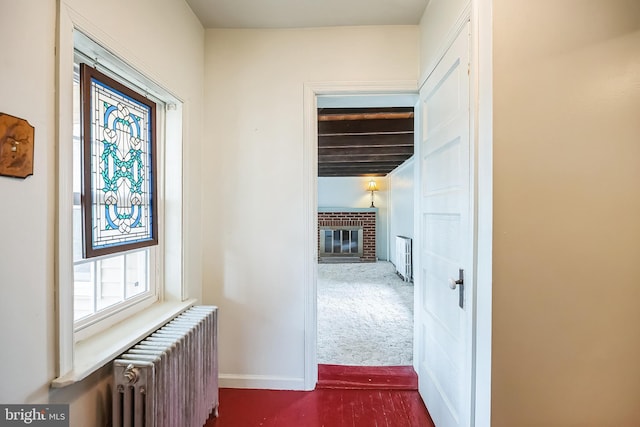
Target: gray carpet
{"x": 365, "y": 315}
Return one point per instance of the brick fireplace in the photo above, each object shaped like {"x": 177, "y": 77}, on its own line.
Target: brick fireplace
{"x": 347, "y": 233}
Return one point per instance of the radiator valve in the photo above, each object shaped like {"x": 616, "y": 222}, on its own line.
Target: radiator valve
{"x": 131, "y": 374}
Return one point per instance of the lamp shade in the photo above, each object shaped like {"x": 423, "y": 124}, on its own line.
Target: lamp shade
{"x": 372, "y": 186}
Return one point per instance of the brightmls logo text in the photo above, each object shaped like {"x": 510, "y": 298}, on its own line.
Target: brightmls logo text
{"x": 28, "y": 416}
{"x": 36, "y": 415}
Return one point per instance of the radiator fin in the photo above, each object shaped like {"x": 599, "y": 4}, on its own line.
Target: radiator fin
{"x": 171, "y": 377}
{"x": 403, "y": 258}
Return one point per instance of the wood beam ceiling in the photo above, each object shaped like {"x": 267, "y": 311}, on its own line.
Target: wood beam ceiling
{"x": 363, "y": 141}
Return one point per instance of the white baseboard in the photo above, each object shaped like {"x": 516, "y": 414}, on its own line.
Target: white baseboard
{"x": 266, "y": 382}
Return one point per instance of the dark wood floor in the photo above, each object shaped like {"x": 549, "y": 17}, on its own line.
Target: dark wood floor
{"x": 366, "y": 398}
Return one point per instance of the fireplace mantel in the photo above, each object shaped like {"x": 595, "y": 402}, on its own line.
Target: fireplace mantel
{"x": 323, "y": 210}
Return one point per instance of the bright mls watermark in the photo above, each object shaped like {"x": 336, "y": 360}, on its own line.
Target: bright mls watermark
{"x": 34, "y": 415}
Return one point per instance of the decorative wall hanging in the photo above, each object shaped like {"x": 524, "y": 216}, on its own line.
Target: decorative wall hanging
{"x": 119, "y": 156}
{"x": 16, "y": 147}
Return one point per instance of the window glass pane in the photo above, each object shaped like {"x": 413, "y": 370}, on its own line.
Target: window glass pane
{"x": 77, "y": 170}
{"x": 110, "y": 282}
{"x": 77, "y": 148}
{"x": 136, "y": 274}
{"x": 77, "y": 234}
{"x": 84, "y": 290}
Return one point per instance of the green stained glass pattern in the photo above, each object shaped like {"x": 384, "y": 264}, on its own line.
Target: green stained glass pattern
{"x": 121, "y": 159}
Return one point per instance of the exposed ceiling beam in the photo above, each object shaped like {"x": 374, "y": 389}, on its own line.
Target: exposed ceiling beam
{"x": 359, "y": 167}
{"x": 348, "y": 173}
{"x": 364, "y": 126}
{"x": 364, "y": 116}
{"x": 369, "y": 140}
{"x": 362, "y": 158}
{"x": 407, "y": 151}
{"x": 354, "y": 171}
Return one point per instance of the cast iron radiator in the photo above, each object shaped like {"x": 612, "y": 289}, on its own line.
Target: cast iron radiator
{"x": 170, "y": 378}
{"x": 403, "y": 258}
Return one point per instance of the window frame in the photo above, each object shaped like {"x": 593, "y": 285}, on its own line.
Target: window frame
{"x": 105, "y": 318}
{"x": 83, "y": 352}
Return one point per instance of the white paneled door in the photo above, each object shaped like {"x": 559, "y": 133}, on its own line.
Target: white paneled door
{"x": 444, "y": 314}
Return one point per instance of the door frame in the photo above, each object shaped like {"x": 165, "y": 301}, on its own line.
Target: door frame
{"x": 310, "y": 196}
{"x": 479, "y": 12}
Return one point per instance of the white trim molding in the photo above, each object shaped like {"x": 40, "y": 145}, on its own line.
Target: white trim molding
{"x": 263, "y": 382}
{"x": 481, "y": 68}
{"x": 64, "y": 255}
{"x": 309, "y": 200}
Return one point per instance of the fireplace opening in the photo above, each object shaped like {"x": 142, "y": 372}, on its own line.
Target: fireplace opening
{"x": 341, "y": 241}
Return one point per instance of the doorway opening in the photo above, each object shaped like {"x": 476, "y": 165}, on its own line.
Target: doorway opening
{"x": 364, "y": 307}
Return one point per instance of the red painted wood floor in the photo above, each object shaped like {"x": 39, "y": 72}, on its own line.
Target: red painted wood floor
{"x": 345, "y": 396}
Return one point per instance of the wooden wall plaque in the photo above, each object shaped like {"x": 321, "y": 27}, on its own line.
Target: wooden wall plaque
{"x": 16, "y": 147}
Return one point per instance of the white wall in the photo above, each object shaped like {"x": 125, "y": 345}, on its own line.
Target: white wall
{"x": 350, "y": 192}
{"x": 27, "y": 209}
{"x": 27, "y": 214}
{"x": 401, "y": 198}
{"x": 253, "y": 198}
{"x": 566, "y": 213}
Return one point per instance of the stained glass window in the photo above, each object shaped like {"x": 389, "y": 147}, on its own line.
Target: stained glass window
{"x": 119, "y": 188}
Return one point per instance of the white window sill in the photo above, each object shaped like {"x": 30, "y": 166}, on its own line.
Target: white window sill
{"x": 93, "y": 353}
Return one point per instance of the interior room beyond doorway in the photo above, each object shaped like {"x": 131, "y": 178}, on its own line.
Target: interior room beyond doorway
{"x": 364, "y": 307}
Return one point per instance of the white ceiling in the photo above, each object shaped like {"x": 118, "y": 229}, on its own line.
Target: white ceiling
{"x": 306, "y": 13}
